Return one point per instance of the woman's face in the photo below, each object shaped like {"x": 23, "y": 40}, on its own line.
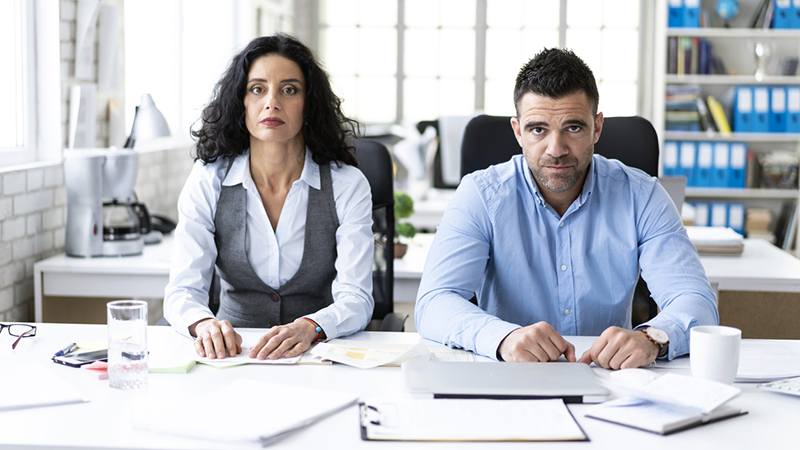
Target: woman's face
{"x": 276, "y": 91}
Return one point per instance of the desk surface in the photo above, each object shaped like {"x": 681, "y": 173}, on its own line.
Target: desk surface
{"x": 101, "y": 423}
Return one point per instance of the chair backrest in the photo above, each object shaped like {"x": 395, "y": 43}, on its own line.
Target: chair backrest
{"x": 375, "y": 162}
{"x": 490, "y": 140}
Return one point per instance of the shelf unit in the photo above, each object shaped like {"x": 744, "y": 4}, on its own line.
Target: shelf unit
{"x": 735, "y": 46}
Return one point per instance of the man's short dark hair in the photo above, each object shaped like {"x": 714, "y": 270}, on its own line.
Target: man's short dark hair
{"x": 556, "y": 73}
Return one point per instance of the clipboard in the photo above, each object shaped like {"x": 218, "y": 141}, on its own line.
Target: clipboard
{"x": 476, "y": 420}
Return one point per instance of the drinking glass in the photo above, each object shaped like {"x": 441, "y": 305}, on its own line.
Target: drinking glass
{"x": 127, "y": 344}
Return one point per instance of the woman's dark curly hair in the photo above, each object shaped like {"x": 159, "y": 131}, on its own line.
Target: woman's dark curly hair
{"x": 326, "y": 130}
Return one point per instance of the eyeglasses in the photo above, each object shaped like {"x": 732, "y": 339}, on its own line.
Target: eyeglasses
{"x": 19, "y": 331}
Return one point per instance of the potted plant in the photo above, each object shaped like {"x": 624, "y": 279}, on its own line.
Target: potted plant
{"x": 403, "y": 209}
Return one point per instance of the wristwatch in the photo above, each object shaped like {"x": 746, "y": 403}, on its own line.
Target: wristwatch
{"x": 658, "y": 337}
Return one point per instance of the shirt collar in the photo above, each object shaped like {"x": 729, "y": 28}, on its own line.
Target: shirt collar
{"x": 240, "y": 172}
{"x": 588, "y": 183}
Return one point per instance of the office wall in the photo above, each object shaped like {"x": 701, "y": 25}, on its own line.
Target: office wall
{"x": 33, "y": 198}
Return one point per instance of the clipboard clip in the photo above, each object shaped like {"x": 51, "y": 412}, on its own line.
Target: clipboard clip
{"x": 370, "y": 415}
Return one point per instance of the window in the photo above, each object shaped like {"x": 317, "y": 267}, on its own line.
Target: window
{"x": 461, "y": 56}
{"x": 17, "y": 85}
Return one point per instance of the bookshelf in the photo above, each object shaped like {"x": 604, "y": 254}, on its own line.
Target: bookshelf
{"x": 735, "y": 46}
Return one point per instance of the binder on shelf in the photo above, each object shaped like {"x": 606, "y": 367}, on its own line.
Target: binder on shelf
{"x": 736, "y": 217}
{"x": 672, "y": 55}
{"x": 670, "y": 161}
{"x": 691, "y": 13}
{"x": 743, "y": 110}
{"x": 675, "y": 14}
{"x": 688, "y": 161}
{"x": 738, "y": 164}
{"x": 719, "y": 177}
{"x": 760, "y": 109}
{"x": 705, "y": 164}
{"x": 783, "y": 14}
{"x": 794, "y": 21}
{"x": 777, "y": 109}
{"x": 718, "y": 114}
{"x": 701, "y": 217}
{"x": 718, "y": 214}
{"x": 793, "y": 109}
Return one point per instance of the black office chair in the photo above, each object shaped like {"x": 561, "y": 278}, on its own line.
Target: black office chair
{"x": 376, "y": 163}
{"x": 490, "y": 140}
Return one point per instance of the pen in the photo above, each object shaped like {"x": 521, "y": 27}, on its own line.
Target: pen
{"x": 67, "y": 350}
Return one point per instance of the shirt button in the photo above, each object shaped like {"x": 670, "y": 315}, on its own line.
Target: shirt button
{"x": 275, "y": 298}
{"x": 563, "y": 267}
{"x": 561, "y": 224}
{"x": 566, "y": 311}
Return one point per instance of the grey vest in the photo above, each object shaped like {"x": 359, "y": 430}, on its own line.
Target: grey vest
{"x": 245, "y": 300}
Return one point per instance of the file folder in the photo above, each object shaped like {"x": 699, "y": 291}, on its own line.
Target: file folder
{"x": 743, "y": 110}
{"x": 675, "y": 14}
{"x": 701, "y": 218}
{"x": 793, "y": 110}
{"x": 670, "y": 167}
{"x": 783, "y": 14}
{"x": 691, "y": 13}
{"x": 687, "y": 161}
{"x": 777, "y": 110}
{"x": 761, "y": 109}
{"x": 719, "y": 214}
{"x": 705, "y": 164}
{"x": 721, "y": 165}
{"x": 736, "y": 217}
{"x": 738, "y": 163}
{"x": 794, "y": 21}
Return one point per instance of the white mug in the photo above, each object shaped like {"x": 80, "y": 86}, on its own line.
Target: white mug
{"x": 714, "y": 352}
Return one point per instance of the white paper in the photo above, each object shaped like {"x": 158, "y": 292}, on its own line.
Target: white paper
{"x": 365, "y": 355}
{"x": 253, "y": 409}
{"x": 85, "y": 32}
{"x": 472, "y": 420}
{"x": 249, "y": 339}
{"x": 108, "y": 61}
{"x": 82, "y": 115}
{"x": 702, "y": 395}
{"x": 50, "y": 390}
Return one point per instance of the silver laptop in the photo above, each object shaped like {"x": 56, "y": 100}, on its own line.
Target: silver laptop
{"x": 572, "y": 382}
{"x": 676, "y": 188}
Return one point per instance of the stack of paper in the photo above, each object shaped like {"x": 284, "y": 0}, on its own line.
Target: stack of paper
{"x": 716, "y": 240}
{"x": 249, "y": 419}
{"x": 50, "y": 389}
{"x": 665, "y": 404}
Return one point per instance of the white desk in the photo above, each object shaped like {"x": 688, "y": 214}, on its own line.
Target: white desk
{"x": 101, "y": 423}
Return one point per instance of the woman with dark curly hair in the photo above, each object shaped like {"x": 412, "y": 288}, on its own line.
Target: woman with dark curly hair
{"x": 274, "y": 202}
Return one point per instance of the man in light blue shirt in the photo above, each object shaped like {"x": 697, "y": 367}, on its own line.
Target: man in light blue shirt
{"x": 552, "y": 242}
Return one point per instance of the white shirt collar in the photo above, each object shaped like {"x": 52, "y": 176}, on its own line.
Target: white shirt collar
{"x": 240, "y": 172}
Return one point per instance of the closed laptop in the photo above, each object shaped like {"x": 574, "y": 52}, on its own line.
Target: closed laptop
{"x": 572, "y": 382}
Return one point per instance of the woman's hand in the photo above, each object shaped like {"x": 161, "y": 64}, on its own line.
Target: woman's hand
{"x": 216, "y": 338}
{"x": 288, "y": 340}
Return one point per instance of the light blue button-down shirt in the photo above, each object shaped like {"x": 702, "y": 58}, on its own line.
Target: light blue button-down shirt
{"x": 500, "y": 239}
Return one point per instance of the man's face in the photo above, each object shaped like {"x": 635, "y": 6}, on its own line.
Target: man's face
{"x": 557, "y": 137}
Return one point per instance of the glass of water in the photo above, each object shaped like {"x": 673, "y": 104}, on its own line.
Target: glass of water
{"x": 127, "y": 344}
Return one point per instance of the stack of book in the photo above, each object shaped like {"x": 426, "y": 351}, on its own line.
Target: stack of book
{"x": 757, "y": 224}
{"x": 681, "y": 108}
{"x": 692, "y": 56}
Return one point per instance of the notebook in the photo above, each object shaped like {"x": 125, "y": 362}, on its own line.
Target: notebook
{"x": 572, "y": 382}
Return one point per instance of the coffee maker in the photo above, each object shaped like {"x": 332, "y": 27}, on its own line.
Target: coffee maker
{"x": 103, "y": 216}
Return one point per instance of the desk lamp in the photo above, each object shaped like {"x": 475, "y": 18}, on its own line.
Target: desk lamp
{"x": 148, "y": 122}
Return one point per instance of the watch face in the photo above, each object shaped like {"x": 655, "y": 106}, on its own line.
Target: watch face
{"x": 659, "y": 335}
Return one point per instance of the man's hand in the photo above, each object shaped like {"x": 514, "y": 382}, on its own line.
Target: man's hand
{"x": 291, "y": 339}
{"x": 618, "y": 348}
{"x": 216, "y": 338}
{"x": 539, "y": 342}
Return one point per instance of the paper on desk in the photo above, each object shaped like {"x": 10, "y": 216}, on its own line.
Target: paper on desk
{"x": 759, "y": 361}
{"x": 249, "y": 339}
{"x": 253, "y": 411}
{"x": 365, "y": 355}
{"x": 699, "y": 394}
{"x": 49, "y": 389}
